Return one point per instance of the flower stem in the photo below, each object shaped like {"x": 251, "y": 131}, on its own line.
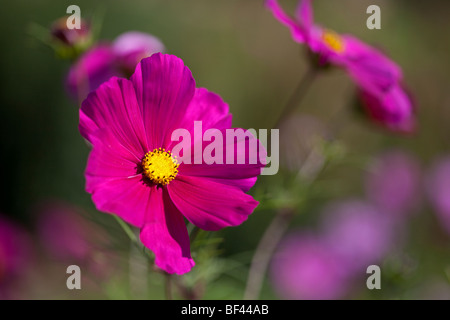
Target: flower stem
{"x": 194, "y": 233}
{"x": 298, "y": 94}
{"x": 129, "y": 232}
{"x": 280, "y": 223}
{"x": 265, "y": 251}
{"x": 127, "y": 229}
{"x": 168, "y": 286}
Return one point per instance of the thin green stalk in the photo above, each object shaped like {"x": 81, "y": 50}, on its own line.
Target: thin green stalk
{"x": 264, "y": 252}
{"x": 299, "y": 94}
{"x": 280, "y": 223}
{"x": 127, "y": 229}
{"x": 168, "y": 279}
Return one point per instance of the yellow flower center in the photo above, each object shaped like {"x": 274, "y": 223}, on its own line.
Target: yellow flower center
{"x": 160, "y": 166}
{"x": 333, "y": 40}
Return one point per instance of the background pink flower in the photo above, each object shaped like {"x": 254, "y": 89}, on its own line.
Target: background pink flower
{"x": 106, "y": 60}
{"x": 438, "y": 190}
{"x": 358, "y": 233}
{"x": 15, "y": 256}
{"x": 92, "y": 69}
{"x": 305, "y": 268}
{"x": 131, "y": 47}
{"x": 393, "y": 183}
{"x": 378, "y": 79}
{"x": 69, "y": 237}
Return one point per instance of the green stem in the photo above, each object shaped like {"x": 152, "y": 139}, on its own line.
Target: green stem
{"x": 127, "y": 229}
{"x": 298, "y": 94}
{"x": 282, "y": 219}
{"x": 168, "y": 286}
{"x": 264, "y": 253}
{"x": 194, "y": 233}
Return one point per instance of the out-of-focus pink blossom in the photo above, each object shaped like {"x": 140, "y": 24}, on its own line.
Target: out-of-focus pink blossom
{"x": 438, "y": 190}
{"x": 15, "y": 256}
{"x": 131, "y": 47}
{"x": 378, "y": 78}
{"x": 306, "y": 268}
{"x": 92, "y": 69}
{"x": 106, "y": 60}
{"x": 70, "y": 238}
{"x": 358, "y": 233}
{"x": 393, "y": 183}
{"x": 354, "y": 235}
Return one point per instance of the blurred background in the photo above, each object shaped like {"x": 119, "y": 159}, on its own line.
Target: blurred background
{"x": 238, "y": 50}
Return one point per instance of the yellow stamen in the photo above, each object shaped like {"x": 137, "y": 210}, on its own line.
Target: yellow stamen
{"x": 160, "y": 166}
{"x": 333, "y": 40}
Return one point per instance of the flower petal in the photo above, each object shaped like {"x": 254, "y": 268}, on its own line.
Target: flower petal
{"x": 109, "y": 160}
{"x": 92, "y": 69}
{"x": 249, "y": 159}
{"x": 113, "y": 108}
{"x": 305, "y": 14}
{"x": 128, "y": 198}
{"x": 393, "y": 110}
{"x": 132, "y": 46}
{"x": 210, "y": 205}
{"x": 113, "y": 180}
{"x": 164, "y": 88}
{"x": 209, "y": 109}
{"x": 213, "y": 113}
{"x": 371, "y": 69}
{"x": 297, "y": 30}
{"x": 437, "y": 186}
{"x": 166, "y": 235}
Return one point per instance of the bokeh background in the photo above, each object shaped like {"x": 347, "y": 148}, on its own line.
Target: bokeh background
{"x": 238, "y": 50}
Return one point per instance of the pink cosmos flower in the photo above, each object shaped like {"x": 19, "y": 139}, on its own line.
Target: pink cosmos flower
{"x": 15, "y": 256}
{"x": 131, "y": 171}
{"x": 377, "y": 77}
{"x": 131, "y": 47}
{"x": 92, "y": 69}
{"x": 68, "y": 237}
{"x": 106, "y": 60}
{"x": 438, "y": 190}
{"x": 393, "y": 184}
{"x": 306, "y": 268}
{"x": 354, "y": 235}
{"x": 358, "y": 233}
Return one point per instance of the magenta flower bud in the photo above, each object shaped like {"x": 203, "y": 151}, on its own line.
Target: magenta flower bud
{"x": 306, "y": 268}
{"x": 438, "y": 190}
{"x": 393, "y": 184}
{"x": 392, "y": 109}
{"x": 71, "y": 37}
{"x": 131, "y": 47}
